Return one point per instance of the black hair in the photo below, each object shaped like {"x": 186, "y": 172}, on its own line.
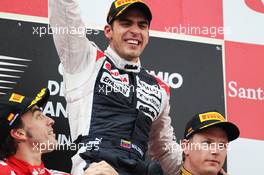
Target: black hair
{"x": 183, "y": 155}
{"x": 8, "y": 145}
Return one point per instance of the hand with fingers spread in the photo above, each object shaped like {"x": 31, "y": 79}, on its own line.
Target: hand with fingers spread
{"x": 100, "y": 168}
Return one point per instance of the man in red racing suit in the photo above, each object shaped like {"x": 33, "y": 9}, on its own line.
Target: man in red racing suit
{"x": 26, "y": 134}
{"x": 13, "y": 166}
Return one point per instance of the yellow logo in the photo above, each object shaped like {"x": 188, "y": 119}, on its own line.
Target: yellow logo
{"x": 189, "y": 130}
{"x": 38, "y": 97}
{"x": 16, "y": 98}
{"x": 10, "y": 117}
{"x": 211, "y": 116}
{"x": 124, "y": 2}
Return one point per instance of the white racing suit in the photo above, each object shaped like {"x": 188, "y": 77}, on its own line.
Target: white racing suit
{"x": 116, "y": 109}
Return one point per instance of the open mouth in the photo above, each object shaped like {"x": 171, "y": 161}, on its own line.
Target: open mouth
{"x": 133, "y": 42}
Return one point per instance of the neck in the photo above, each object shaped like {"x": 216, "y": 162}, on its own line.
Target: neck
{"x": 133, "y": 60}
{"x": 27, "y": 154}
{"x": 122, "y": 63}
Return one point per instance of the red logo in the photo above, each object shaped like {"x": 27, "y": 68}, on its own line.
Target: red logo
{"x": 28, "y": 7}
{"x": 256, "y": 5}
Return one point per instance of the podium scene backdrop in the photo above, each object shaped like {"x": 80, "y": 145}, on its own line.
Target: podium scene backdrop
{"x": 209, "y": 52}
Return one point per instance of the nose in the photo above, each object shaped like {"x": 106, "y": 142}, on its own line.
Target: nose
{"x": 217, "y": 148}
{"x": 212, "y": 148}
{"x": 135, "y": 29}
{"x": 214, "y": 151}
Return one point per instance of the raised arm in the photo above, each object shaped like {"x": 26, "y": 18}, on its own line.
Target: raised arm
{"x": 78, "y": 56}
{"x": 74, "y": 49}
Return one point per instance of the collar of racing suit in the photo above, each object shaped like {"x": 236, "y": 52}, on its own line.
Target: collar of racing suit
{"x": 121, "y": 63}
{"x": 183, "y": 171}
{"x": 26, "y": 168}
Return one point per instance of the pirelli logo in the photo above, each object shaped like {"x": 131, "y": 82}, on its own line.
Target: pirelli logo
{"x": 124, "y": 2}
{"x": 16, "y": 98}
{"x": 211, "y": 116}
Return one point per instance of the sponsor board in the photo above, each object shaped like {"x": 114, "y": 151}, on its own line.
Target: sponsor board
{"x": 245, "y": 88}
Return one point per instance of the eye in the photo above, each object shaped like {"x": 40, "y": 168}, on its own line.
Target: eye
{"x": 40, "y": 115}
{"x": 125, "y": 23}
{"x": 207, "y": 142}
{"x": 143, "y": 26}
{"x": 224, "y": 145}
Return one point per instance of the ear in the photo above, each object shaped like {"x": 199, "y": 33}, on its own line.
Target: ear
{"x": 108, "y": 31}
{"x": 185, "y": 146}
{"x": 18, "y": 134}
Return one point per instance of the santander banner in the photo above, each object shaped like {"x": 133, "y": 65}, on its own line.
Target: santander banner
{"x": 245, "y": 88}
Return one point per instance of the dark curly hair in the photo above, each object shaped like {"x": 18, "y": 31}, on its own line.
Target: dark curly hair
{"x": 8, "y": 145}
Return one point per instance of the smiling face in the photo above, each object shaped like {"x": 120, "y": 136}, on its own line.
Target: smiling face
{"x": 129, "y": 34}
{"x": 39, "y": 130}
{"x": 206, "y": 151}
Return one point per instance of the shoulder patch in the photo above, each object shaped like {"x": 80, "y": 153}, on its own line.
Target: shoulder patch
{"x": 163, "y": 85}
{"x": 2, "y": 163}
{"x": 99, "y": 55}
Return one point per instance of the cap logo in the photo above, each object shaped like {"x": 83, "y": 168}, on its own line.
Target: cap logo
{"x": 38, "y": 97}
{"x": 16, "y": 98}
{"x": 124, "y": 2}
{"x": 14, "y": 117}
{"x": 211, "y": 116}
{"x": 190, "y": 130}
{"x": 10, "y": 117}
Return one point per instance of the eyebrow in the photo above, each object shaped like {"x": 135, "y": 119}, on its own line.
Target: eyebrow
{"x": 211, "y": 140}
{"x": 125, "y": 20}
{"x": 36, "y": 109}
{"x": 130, "y": 21}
